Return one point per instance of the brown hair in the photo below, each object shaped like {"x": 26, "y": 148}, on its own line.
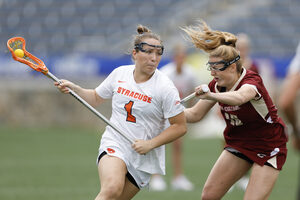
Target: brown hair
{"x": 216, "y": 43}
{"x": 144, "y": 32}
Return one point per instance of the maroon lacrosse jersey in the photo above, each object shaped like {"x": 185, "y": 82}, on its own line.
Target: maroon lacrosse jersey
{"x": 254, "y": 128}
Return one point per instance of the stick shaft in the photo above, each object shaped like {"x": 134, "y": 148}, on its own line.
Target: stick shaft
{"x": 204, "y": 88}
{"x": 87, "y": 105}
{"x": 188, "y": 98}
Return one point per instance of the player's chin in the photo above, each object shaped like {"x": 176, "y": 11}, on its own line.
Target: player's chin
{"x": 220, "y": 82}
{"x": 151, "y": 69}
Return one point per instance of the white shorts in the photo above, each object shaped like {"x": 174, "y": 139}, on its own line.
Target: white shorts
{"x": 141, "y": 178}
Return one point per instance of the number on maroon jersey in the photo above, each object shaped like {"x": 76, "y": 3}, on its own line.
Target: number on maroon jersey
{"x": 234, "y": 120}
{"x": 128, "y": 108}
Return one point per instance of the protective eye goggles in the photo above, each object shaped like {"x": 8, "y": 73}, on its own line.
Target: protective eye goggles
{"x": 211, "y": 66}
{"x": 140, "y": 47}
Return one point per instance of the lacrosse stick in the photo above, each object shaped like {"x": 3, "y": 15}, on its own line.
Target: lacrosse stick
{"x": 204, "y": 88}
{"x": 38, "y": 65}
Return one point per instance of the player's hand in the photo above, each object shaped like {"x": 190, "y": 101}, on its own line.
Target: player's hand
{"x": 202, "y": 91}
{"x": 142, "y": 146}
{"x": 64, "y": 85}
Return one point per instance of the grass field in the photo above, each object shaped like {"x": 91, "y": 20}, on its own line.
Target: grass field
{"x": 59, "y": 163}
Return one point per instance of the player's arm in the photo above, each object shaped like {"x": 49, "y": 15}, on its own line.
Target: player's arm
{"x": 287, "y": 100}
{"x": 198, "y": 111}
{"x": 89, "y": 95}
{"x": 176, "y": 129}
{"x": 234, "y": 98}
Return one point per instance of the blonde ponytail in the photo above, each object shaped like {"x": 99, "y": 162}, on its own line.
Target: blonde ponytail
{"x": 216, "y": 43}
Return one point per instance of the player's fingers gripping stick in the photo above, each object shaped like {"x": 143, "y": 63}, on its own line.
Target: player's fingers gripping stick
{"x": 204, "y": 89}
{"x": 63, "y": 86}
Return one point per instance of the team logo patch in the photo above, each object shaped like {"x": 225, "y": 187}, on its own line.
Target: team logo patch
{"x": 110, "y": 150}
{"x": 274, "y": 152}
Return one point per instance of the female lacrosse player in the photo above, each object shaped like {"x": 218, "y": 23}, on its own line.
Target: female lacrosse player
{"x": 254, "y": 134}
{"x": 142, "y": 100}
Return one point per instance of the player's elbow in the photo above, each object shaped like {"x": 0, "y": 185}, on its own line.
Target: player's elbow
{"x": 183, "y": 129}
{"x": 97, "y": 99}
{"x": 192, "y": 116}
{"x": 240, "y": 100}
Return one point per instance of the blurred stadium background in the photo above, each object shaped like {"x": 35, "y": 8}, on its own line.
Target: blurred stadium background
{"x": 84, "y": 40}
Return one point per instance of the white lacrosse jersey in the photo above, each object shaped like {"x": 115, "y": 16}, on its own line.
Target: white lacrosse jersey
{"x": 140, "y": 110}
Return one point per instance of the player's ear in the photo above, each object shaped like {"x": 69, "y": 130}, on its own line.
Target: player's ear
{"x": 134, "y": 52}
{"x": 233, "y": 67}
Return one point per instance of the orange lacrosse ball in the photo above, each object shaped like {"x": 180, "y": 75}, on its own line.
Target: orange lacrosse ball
{"x": 19, "y": 53}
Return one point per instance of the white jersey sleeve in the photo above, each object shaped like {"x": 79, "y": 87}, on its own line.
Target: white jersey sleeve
{"x": 105, "y": 89}
{"x": 171, "y": 101}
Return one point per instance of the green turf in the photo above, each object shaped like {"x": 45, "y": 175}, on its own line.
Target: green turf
{"x": 59, "y": 163}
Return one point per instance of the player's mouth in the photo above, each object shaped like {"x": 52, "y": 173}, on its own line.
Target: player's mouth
{"x": 152, "y": 66}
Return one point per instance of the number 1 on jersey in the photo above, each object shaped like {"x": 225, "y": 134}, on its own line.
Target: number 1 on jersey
{"x": 128, "y": 108}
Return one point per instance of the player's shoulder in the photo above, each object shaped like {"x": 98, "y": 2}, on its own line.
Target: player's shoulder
{"x": 162, "y": 77}
{"x": 124, "y": 68}
{"x": 168, "y": 68}
{"x": 163, "y": 81}
{"x": 251, "y": 78}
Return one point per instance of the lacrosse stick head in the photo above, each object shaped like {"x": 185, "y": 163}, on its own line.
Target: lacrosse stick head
{"x": 28, "y": 59}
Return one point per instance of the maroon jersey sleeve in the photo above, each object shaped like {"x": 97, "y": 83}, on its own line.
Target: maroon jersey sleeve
{"x": 211, "y": 86}
{"x": 269, "y": 111}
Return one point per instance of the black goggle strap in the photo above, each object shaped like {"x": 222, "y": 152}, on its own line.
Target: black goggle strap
{"x": 226, "y": 64}
{"x": 232, "y": 61}
{"x": 140, "y": 47}
{"x": 216, "y": 63}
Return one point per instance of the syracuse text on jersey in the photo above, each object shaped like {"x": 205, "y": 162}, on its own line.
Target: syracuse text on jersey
{"x": 133, "y": 94}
